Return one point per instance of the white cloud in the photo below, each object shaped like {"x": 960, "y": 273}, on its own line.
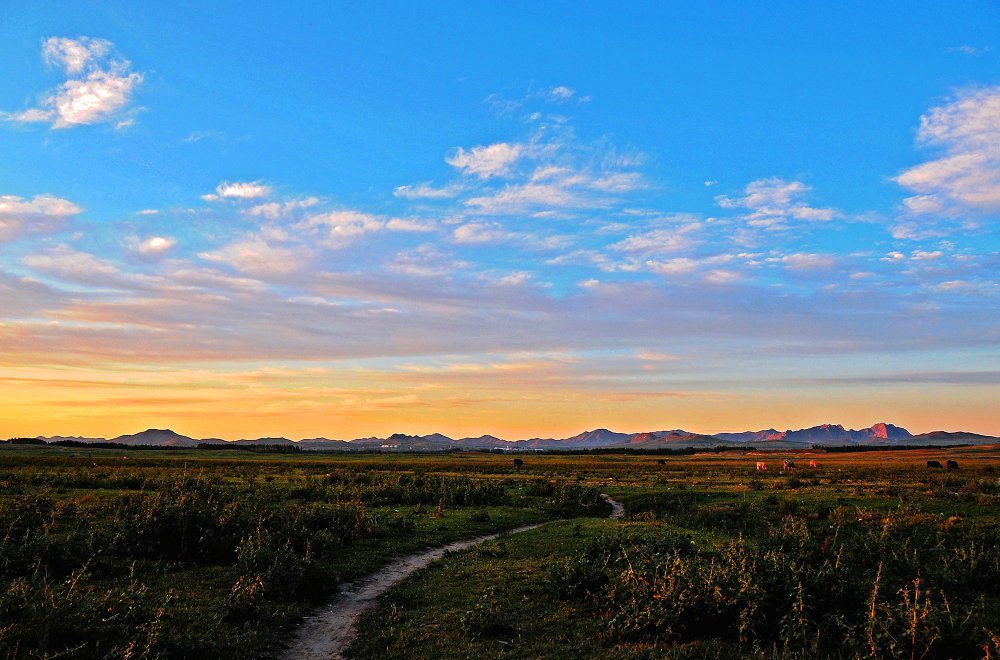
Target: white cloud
{"x": 43, "y": 213}
{"x": 338, "y": 228}
{"x": 409, "y": 225}
{"x": 427, "y": 191}
{"x": 618, "y": 182}
{"x": 660, "y": 240}
{"x": 93, "y": 100}
{"x": 676, "y": 266}
{"x": 720, "y": 276}
{"x": 913, "y": 231}
{"x": 686, "y": 265}
{"x": 516, "y": 278}
{"x": 99, "y": 87}
{"x": 153, "y": 246}
{"x": 258, "y": 256}
{"x": 923, "y": 204}
{"x": 425, "y": 261}
{"x": 479, "y": 232}
{"x": 148, "y": 212}
{"x": 238, "y": 190}
{"x": 772, "y": 202}
{"x": 72, "y": 264}
{"x": 924, "y": 255}
{"x": 523, "y": 197}
{"x": 276, "y": 210}
{"x": 74, "y": 55}
{"x": 807, "y": 261}
{"x": 485, "y": 162}
{"x": 968, "y": 174}
{"x": 971, "y": 51}
{"x": 561, "y": 94}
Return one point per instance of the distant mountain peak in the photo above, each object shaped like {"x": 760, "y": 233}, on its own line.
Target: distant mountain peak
{"x": 881, "y": 433}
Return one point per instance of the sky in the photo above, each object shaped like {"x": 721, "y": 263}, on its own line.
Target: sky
{"x": 524, "y": 219}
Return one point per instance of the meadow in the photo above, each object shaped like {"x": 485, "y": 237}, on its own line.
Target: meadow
{"x": 221, "y": 553}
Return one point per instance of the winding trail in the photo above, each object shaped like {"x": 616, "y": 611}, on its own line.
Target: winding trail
{"x": 325, "y": 634}
{"x": 617, "y": 508}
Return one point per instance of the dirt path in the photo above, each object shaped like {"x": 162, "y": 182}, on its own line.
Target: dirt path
{"x": 327, "y": 633}
{"x": 617, "y": 508}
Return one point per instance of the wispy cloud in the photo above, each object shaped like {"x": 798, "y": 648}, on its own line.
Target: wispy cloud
{"x": 218, "y": 136}
{"x": 560, "y": 93}
{"x": 807, "y": 261}
{"x": 261, "y": 256}
{"x": 427, "y": 191}
{"x": 40, "y": 214}
{"x": 661, "y": 240}
{"x": 67, "y": 262}
{"x": 971, "y": 51}
{"x": 967, "y": 176}
{"x": 238, "y": 190}
{"x": 276, "y": 210}
{"x": 485, "y": 162}
{"x": 773, "y": 203}
{"x": 99, "y": 86}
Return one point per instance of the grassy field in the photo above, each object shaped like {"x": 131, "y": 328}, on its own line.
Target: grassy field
{"x": 866, "y": 555}
{"x": 220, "y": 553}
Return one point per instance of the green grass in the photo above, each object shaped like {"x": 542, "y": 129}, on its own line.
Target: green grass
{"x": 860, "y": 557}
{"x": 220, "y": 553}
{"x": 171, "y": 554}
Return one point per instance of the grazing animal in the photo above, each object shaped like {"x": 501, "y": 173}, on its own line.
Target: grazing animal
{"x": 934, "y": 464}
{"x": 952, "y": 465}
{"x": 813, "y": 463}
{"x": 788, "y": 464}
{"x": 761, "y": 465}
{"x": 660, "y": 461}
{"x": 518, "y": 462}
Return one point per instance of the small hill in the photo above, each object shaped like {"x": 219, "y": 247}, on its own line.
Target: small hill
{"x": 596, "y": 438}
{"x": 678, "y": 438}
{"x": 956, "y": 436}
{"x": 323, "y": 444}
{"x": 265, "y": 442}
{"x": 71, "y": 438}
{"x": 156, "y": 438}
{"x": 483, "y": 442}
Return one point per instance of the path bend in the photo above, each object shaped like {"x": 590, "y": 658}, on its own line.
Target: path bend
{"x": 329, "y": 631}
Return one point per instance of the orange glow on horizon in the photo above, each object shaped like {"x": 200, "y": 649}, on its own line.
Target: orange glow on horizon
{"x": 314, "y": 402}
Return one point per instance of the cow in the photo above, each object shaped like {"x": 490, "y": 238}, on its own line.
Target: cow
{"x": 761, "y": 465}
{"x": 660, "y": 461}
{"x": 952, "y": 465}
{"x": 813, "y": 463}
{"x": 518, "y": 463}
{"x": 934, "y": 465}
{"x": 788, "y": 464}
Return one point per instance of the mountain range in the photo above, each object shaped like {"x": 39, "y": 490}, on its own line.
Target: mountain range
{"x": 881, "y": 434}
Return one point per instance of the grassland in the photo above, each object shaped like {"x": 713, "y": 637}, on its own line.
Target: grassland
{"x": 867, "y": 555}
{"x": 219, "y": 554}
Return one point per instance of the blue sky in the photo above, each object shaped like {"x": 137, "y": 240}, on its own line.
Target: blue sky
{"x": 510, "y": 218}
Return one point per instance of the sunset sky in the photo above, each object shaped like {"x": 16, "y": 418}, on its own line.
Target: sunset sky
{"x": 517, "y": 218}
